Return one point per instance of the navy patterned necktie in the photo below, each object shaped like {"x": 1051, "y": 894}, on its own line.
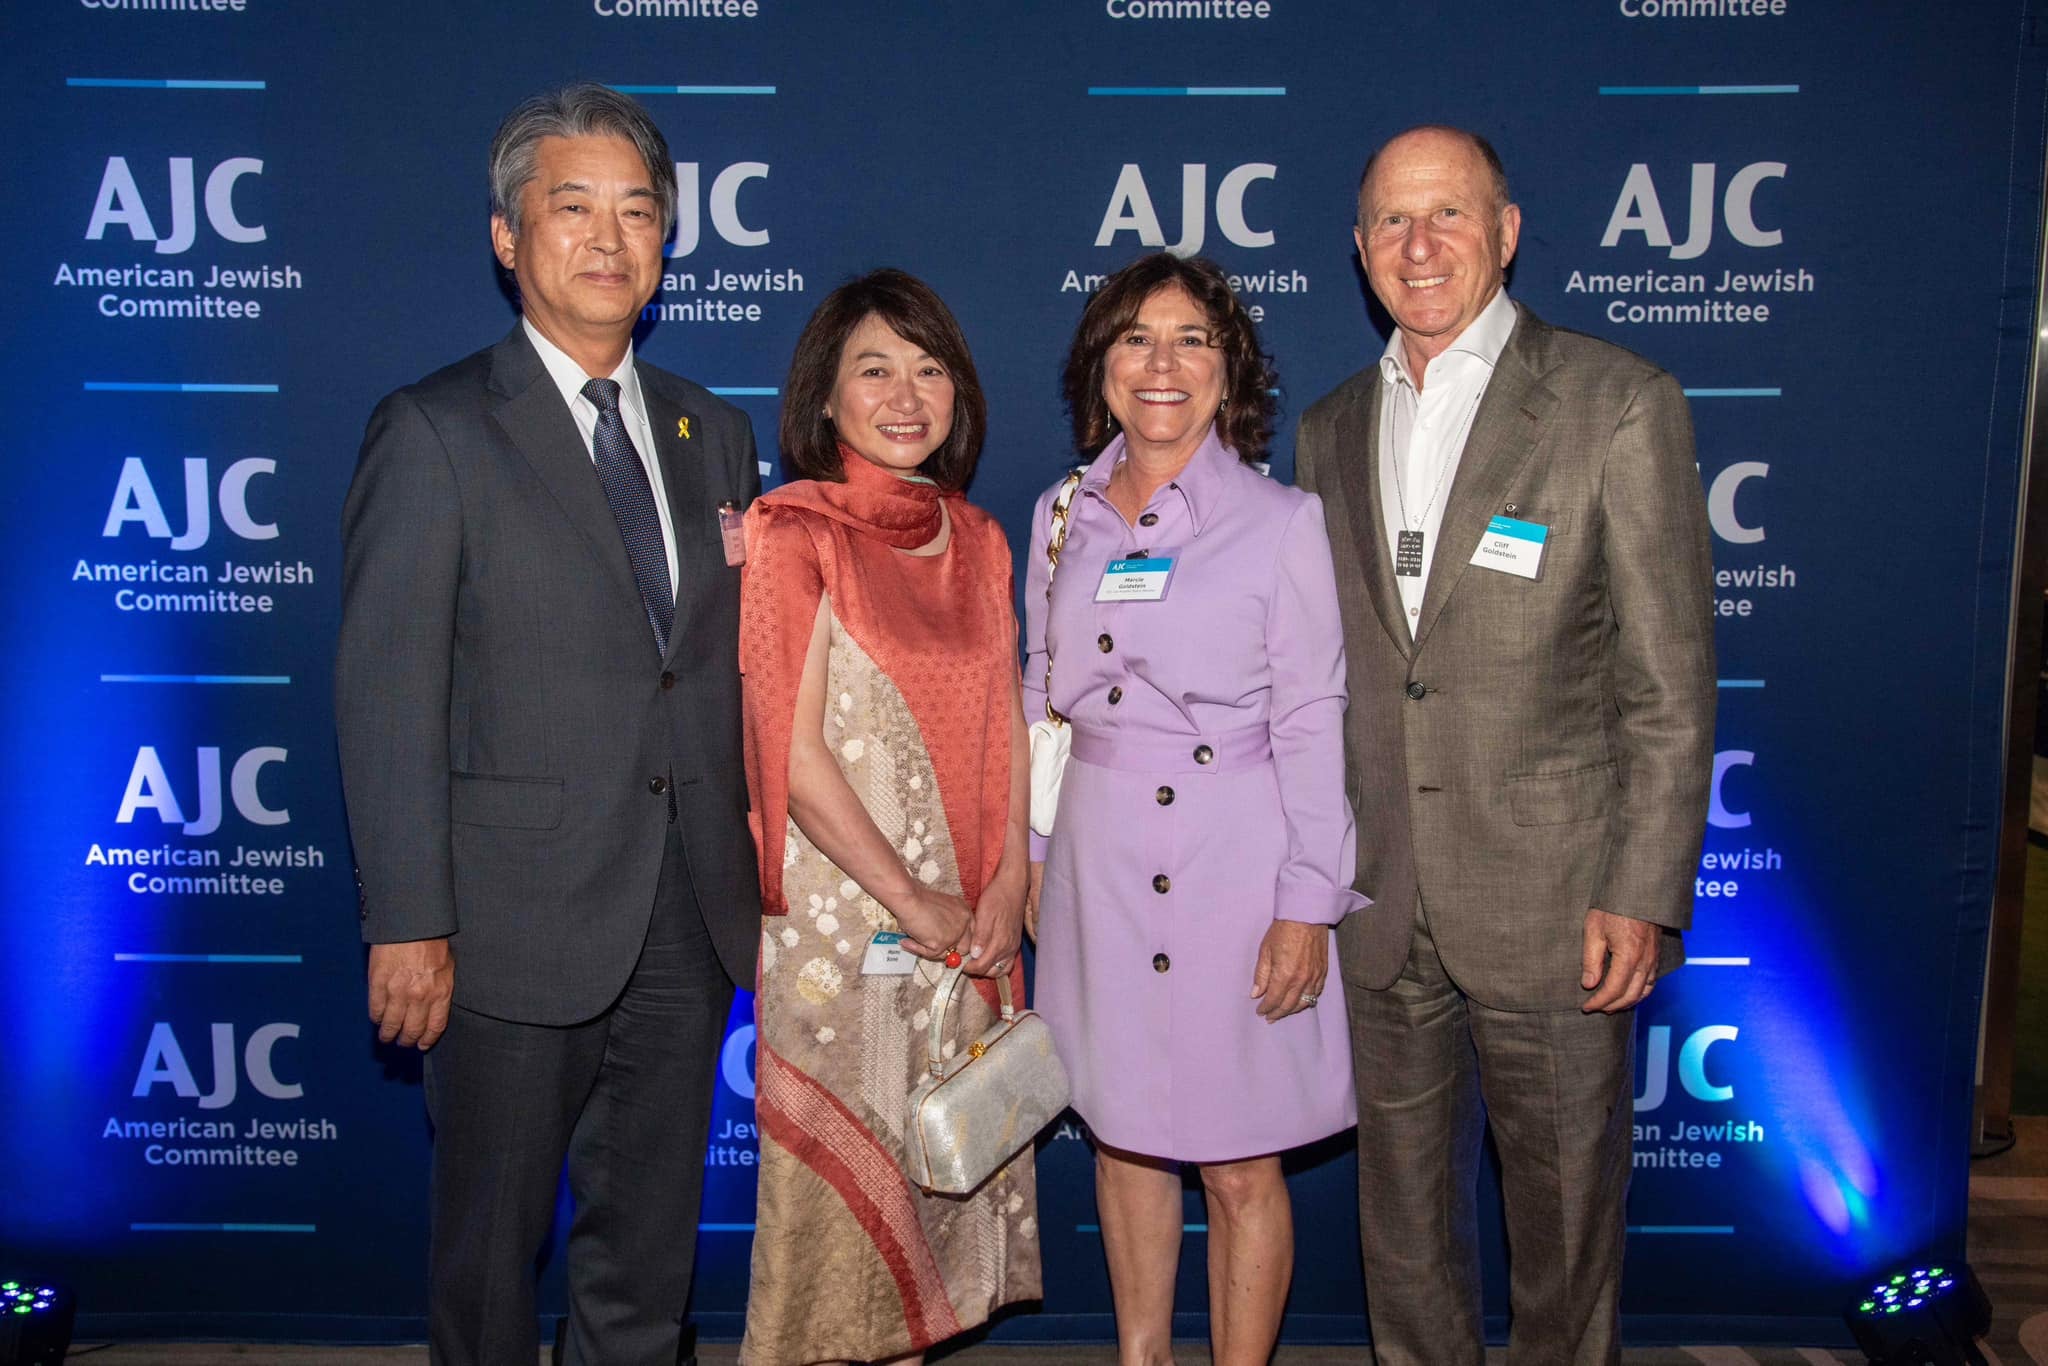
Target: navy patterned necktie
{"x": 632, "y": 500}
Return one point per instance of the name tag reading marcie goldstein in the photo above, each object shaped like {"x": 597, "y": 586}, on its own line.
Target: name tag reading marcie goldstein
{"x": 1140, "y": 578}
{"x": 1512, "y": 547}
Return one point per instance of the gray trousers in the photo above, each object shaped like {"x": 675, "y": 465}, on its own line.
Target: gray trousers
{"x": 1435, "y": 1070}
{"x": 626, "y": 1099}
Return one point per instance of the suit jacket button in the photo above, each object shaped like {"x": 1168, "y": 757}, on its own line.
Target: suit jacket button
{"x": 1161, "y": 883}
{"x": 1160, "y": 962}
{"x": 1203, "y": 754}
{"x": 1416, "y": 692}
{"x": 1149, "y": 519}
{"x": 657, "y": 785}
{"x": 668, "y": 680}
{"x": 1116, "y": 695}
{"x": 1104, "y": 643}
{"x": 1164, "y": 796}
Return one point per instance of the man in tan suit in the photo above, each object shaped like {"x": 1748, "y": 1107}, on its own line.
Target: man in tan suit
{"x": 1522, "y": 557}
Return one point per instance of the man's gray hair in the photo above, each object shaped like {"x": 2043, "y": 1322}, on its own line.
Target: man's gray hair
{"x": 1495, "y": 172}
{"x": 585, "y": 109}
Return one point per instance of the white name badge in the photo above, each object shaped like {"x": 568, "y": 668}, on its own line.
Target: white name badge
{"x": 1140, "y": 579}
{"x": 887, "y": 957}
{"x": 1512, "y": 547}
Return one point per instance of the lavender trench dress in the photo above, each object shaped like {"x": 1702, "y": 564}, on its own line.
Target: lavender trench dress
{"x": 1205, "y": 798}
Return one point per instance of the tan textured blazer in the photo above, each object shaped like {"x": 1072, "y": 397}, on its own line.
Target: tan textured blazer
{"x": 1541, "y": 747}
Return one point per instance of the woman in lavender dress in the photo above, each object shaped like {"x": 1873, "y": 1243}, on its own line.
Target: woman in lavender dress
{"x": 1203, "y": 850}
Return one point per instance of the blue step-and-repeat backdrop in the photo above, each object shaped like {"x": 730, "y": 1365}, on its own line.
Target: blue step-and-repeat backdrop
{"x": 239, "y": 222}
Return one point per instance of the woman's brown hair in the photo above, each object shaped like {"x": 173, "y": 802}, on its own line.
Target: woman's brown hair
{"x": 1246, "y": 422}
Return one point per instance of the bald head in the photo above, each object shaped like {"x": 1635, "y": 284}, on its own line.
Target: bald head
{"x": 1440, "y": 136}
{"x": 1435, "y": 234}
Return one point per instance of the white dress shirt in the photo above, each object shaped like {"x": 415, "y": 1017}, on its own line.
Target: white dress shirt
{"x": 1423, "y": 432}
{"x": 570, "y": 379}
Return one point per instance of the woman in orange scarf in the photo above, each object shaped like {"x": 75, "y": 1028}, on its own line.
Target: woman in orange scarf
{"x": 887, "y": 762}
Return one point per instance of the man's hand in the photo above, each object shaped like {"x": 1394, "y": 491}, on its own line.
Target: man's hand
{"x": 1294, "y": 958}
{"x": 1627, "y": 950}
{"x": 411, "y": 985}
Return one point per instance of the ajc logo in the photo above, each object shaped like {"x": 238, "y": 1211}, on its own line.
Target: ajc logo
{"x": 1692, "y": 1065}
{"x": 163, "y": 1063}
{"x": 1721, "y": 502}
{"x": 149, "y": 789}
{"x": 1130, "y": 208}
{"x": 120, "y": 203}
{"x": 724, "y": 206}
{"x": 1718, "y": 814}
{"x": 135, "y": 501}
{"x": 736, "y": 1062}
{"x": 1638, "y": 209}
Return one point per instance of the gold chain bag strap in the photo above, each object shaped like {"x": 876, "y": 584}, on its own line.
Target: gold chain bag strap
{"x": 1051, "y": 738}
{"x": 975, "y": 1111}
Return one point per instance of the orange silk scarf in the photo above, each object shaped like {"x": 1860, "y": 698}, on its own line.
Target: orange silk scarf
{"x": 941, "y": 627}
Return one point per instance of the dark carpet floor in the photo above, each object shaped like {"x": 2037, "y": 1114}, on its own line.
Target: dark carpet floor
{"x": 2008, "y": 1248}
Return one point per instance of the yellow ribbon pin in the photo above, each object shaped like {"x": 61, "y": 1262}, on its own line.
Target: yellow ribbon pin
{"x": 683, "y": 428}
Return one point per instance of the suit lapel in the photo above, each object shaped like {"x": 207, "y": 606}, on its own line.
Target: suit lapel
{"x": 1505, "y": 433}
{"x": 682, "y": 446}
{"x": 1358, "y": 430}
{"x": 531, "y": 413}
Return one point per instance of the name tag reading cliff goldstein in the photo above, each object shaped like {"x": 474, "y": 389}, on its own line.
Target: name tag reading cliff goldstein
{"x": 1512, "y": 547}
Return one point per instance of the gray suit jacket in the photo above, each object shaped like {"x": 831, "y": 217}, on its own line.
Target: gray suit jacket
{"x": 1561, "y": 749}
{"x": 503, "y": 714}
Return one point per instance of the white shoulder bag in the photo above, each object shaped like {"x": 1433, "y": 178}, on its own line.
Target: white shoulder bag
{"x": 1051, "y": 737}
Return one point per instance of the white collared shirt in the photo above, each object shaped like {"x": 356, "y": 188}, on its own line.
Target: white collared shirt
{"x": 1423, "y": 433}
{"x": 570, "y": 379}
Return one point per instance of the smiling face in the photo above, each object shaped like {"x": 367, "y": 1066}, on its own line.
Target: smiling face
{"x": 1163, "y": 377}
{"x": 587, "y": 254}
{"x": 893, "y": 401}
{"x": 1433, "y": 241}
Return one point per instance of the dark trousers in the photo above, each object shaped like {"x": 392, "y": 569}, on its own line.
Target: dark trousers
{"x": 1435, "y": 1070}
{"x": 626, "y": 1099}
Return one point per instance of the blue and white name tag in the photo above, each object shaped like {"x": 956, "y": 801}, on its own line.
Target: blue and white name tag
{"x": 1139, "y": 579}
{"x": 886, "y": 956}
{"x": 1512, "y": 547}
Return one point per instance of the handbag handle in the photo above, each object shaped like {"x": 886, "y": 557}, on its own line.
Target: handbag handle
{"x": 942, "y": 1001}
{"x": 1061, "y": 506}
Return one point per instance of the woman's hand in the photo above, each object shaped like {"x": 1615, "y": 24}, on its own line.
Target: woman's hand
{"x": 1294, "y": 958}
{"x": 934, "y": 923}
{"x": 998, "y": 927}
{"x": 1034, "y": 887}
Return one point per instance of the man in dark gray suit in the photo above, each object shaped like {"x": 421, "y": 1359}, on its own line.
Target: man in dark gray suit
{"x": 1522, "y": 556}
{"x": 537, "y": 694}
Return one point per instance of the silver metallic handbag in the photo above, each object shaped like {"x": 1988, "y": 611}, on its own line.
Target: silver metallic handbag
{"x": 977, "y": 1110}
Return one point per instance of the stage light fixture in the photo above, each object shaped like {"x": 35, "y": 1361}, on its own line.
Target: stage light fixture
{"x": 35, "y": 1321}
{"x": 1931, "y": 1315}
